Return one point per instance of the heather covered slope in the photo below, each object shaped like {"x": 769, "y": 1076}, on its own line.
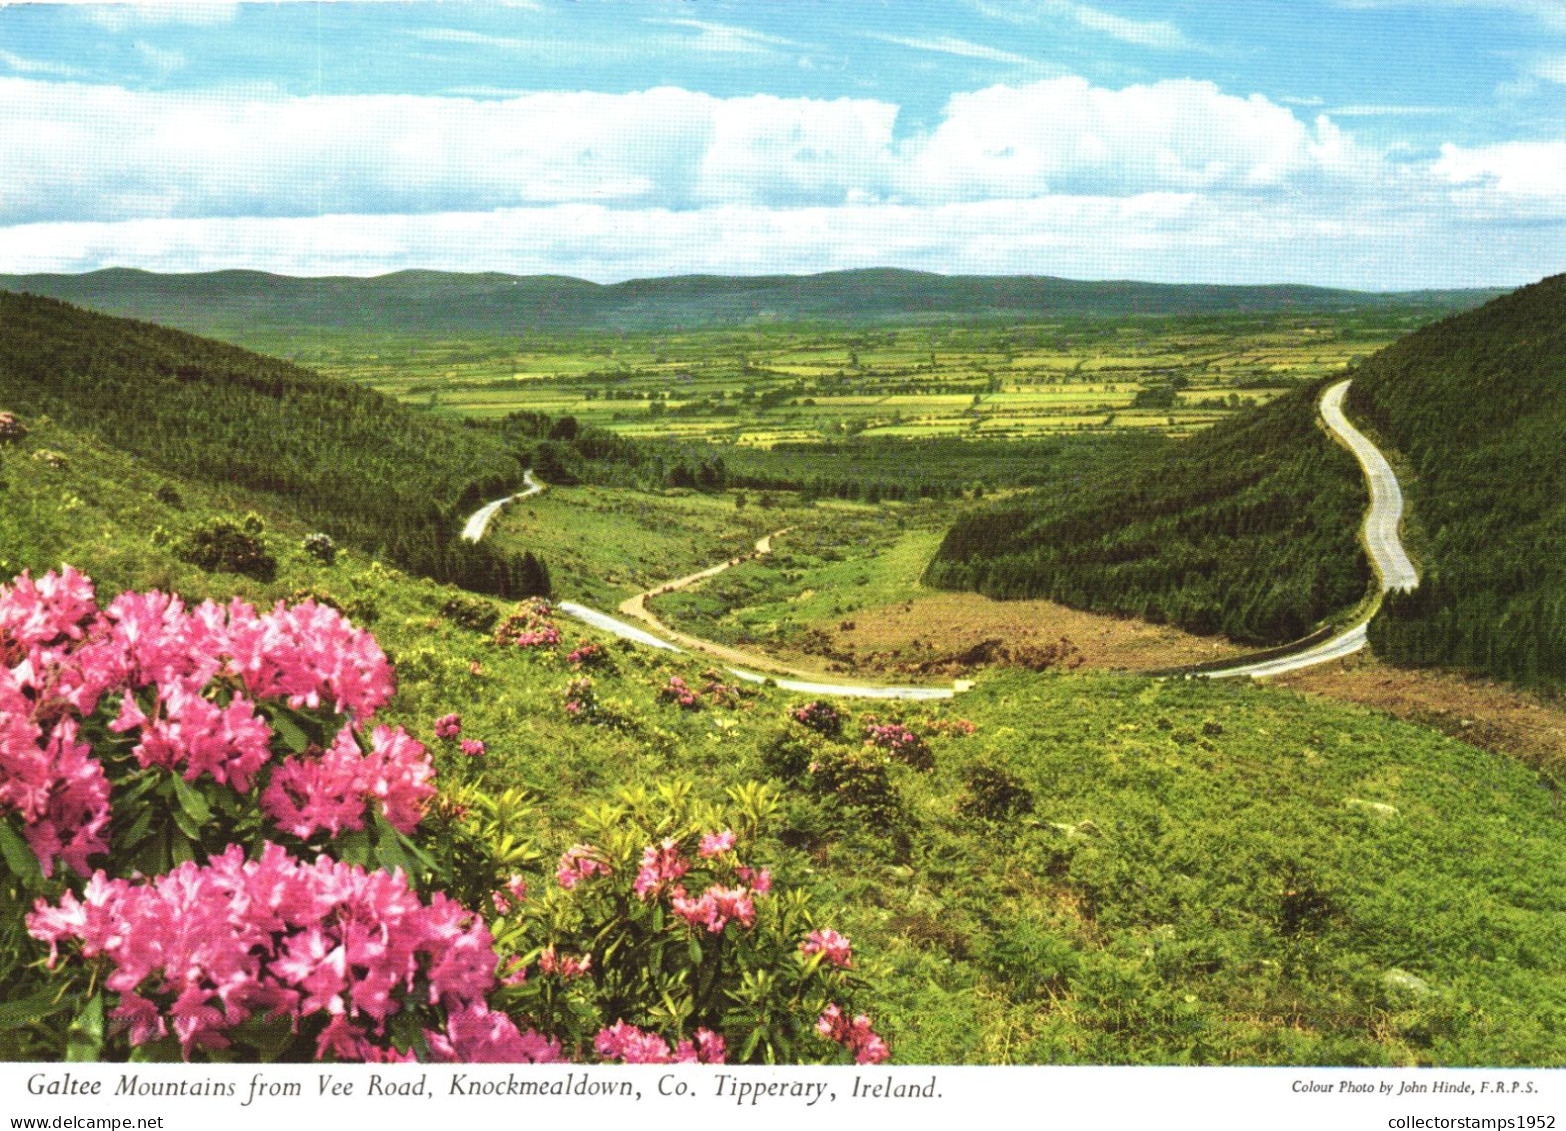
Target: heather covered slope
{"x": 1249, "y": 529}
{"x": 1476, "y": 405}
{"x": 1100, "y": 870}
{"x": 352, "y": 462}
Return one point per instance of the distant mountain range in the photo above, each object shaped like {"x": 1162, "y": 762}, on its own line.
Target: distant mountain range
{"x": 235, "y": 304}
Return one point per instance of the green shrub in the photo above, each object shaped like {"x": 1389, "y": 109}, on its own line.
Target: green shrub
{"x": 224, "y": 544}
{"x": 994, "y": 793}
{"x": 470, "y": 612}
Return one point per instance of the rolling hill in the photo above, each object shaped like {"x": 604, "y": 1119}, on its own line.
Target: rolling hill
{"x": 1249, "y": 529}
{"x": 234, "y": 304}
{"x": 1476, "y": 405}
{"x": 353, "y": 463}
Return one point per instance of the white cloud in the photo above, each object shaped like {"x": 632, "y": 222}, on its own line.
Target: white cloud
{"x": 1065, "y": 136}
{"x": 1550, "y": 69}
{"x": 1057, "y": 176}
{"x": 1157, "y": 236}
{"x": 1551, "y": 13}
{"x": 1515, "y": 179}
{"x": 1158, "y": 34}
{"x": 36, "y": 66}
{"x": 950, "y": 45}
{"x": 726, "y": 39}
{"x": 96, "y": 152}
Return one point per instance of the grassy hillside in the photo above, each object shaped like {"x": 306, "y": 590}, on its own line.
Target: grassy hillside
{"x": 1477, "y": 406}
{"x": 350, "y": 461}
{"x": 1249, "y": 529}
{"x": 1099, "y": 870}
{"x": 240, "y": 303}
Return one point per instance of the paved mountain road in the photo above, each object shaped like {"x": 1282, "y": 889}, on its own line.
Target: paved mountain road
{"x": 1382, "y": 543}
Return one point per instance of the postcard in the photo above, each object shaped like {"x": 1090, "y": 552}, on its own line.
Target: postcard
{"x": 575, "y": 560}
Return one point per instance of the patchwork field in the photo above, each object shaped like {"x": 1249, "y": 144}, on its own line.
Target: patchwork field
{"x": 761, "y": 387}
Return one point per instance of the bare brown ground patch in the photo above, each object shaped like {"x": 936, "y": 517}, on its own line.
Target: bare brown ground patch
{"x": 955, "y": 633}
{"x": 1478, "y": 711}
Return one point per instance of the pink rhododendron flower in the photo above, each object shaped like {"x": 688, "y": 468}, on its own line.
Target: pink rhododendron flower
{"x": 716, "y": 907}
{"x": 472, "y": 747}
{"x": 476, "y": 1034}
{"x": 831, "y": 945}
{"x": 707, "y": 1048}
{"x": 578, "y": 863}
{"x": 193, "y": 735}
{"x": 212, "y": 945}
{"x": 53, "y": 609}
{"x": 661, "y": 865}
{"x": 67, "y": 814}
{"x": 760, "y": 879}
{"x": 857, "y": 1036}
{"x": 448, "y": 726}
{"x": 630, "y": 1045}
{"x": 715, "y": 844}
{"x": 331, "y": 790}
{"x": 566, "y": 965}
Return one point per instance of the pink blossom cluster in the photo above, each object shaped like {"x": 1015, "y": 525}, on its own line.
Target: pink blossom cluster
{"x": 713, "y": 687}
{"x": 448, "y": 726}
{"x": 189, "y": 681}
{"x": 677, "y": 691}
{"x": 630, "y": 1045}
{"x": 529, "y": 626}
{"x": 205, "y": 947}
{"x": 566, "y": 965}
{"x": 513, "y": 895}
{"x": 330, "y": 790}
{"x": 473, "y": 748}
{"x": 580, "y": 862}
{"x": 579, "y": 701}
{"x": 820, "y": 717}
{"x": 898, "y": 741}
{"x": 716, "y": 907}
{"x": 476, "y": 1034}
{"x": 833, "y": 947}
{"x": 662, "y": 865}
{"x": 586, "y": 655}
{"x": 857, "y": 1036}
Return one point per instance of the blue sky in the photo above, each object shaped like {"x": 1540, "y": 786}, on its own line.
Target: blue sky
{"x": 1362, "y": 143}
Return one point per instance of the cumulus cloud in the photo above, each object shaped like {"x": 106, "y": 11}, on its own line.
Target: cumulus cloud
{"x": 1174, "y": 179}
{"x": 105, "y": 153}
{"x": 1521, "y": 179}
{"x": 1065, "y": 135}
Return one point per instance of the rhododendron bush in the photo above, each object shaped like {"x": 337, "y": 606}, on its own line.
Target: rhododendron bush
{"x": 209, "y": 846}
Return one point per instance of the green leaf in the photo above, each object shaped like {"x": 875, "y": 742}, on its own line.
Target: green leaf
{"x": 84, "y": 1039}
{"x": 290, "y": 732}
{"x": 693, "y": 947}
{"x": 18, "y": 856}
{"x": 354, "y": 847}
{"x": 46, "y": 1002}
{"x": 191, "y": 801}
{"x": 138, "y": 830}
{"x": 189, "y": 827}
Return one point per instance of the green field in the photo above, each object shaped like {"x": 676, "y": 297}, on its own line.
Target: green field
{"x": 761, "y": 387}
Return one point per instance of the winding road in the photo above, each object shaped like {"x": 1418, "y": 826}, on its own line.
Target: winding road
{"x": 1382, "y": 543}
{"x": 778, "y": 674}
{"x": 478, "y": 522}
